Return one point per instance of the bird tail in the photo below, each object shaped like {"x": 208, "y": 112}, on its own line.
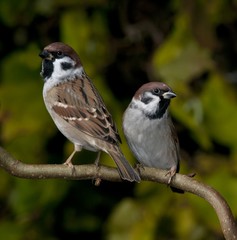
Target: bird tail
{"x": 126, "y": 171}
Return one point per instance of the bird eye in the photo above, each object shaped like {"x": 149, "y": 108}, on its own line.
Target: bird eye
{"x": 59, "y": 54}
{"x": 156, "y": 91}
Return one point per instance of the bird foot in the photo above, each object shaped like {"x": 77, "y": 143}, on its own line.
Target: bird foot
{"x": 171, "y": 174}
{"x": 71, "y": 166}
{"x": 97, "y": 180}
{"x": 139, "y": 167}
{"x": 68, "y": 164}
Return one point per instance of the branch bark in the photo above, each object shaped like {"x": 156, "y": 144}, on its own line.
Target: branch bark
{"x": 90, "y": 171}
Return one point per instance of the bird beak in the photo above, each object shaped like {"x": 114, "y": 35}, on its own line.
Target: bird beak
{"x": 169, "y": 95}
{"x": 46, "y": 55}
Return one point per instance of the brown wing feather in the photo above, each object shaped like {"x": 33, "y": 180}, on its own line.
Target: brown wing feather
{"x": 85, "y": 109}
{"x": 176, "y": 143}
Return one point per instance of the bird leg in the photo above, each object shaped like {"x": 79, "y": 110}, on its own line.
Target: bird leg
{"x": 171, "y": 174}
{"x": 97, "y": 179}
{"x": 97, "y": 160}
{"x": 139, "y": 167}
{"x": 68, "y": 162}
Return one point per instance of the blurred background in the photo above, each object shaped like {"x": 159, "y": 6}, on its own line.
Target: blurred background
{"x": 190, "y": 45}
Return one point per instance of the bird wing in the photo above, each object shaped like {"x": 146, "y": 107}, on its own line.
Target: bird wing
{"x": 176, "y": 150}
{"x": 79, "y": 103}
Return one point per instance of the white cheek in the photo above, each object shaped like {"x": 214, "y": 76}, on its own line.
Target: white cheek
{"x": 60, "y": 75}
{"x": 59, "y": 72}
{"x": 149, "y": 108}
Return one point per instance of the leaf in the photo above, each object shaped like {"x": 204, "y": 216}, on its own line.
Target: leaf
{"x": 219, "y": 103}
{"x": 180, "y": 58}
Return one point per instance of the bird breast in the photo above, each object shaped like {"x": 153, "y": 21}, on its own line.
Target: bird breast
{"x": 150, "y": 140}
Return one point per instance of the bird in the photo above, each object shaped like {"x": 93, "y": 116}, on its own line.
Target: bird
{"x": 149, "y": 130}
{"x": 78, "y": 109}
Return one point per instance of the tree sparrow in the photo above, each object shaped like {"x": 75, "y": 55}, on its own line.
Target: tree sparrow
{"x": 77, "y": 109}
{"x": 149, "y": 130}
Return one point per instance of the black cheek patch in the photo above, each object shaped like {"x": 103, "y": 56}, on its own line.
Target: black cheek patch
{"x": 47, "y": 69}
{"x": 161, "y": 109}
{"x": 146, "y": 100}
{"x": 66, "y": 66}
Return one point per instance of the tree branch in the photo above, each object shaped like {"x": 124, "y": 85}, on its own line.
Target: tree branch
{"x": 90, "y": 171}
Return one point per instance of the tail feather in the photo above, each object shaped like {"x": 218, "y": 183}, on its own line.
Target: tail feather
{"x": 126, "y": 171}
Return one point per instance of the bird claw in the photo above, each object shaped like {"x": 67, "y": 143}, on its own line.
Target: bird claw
{"x": 171, "y": 174}
{"x": 68, "y": 164}
{"x": 97, "y": 181}
{"x": 139, "y": 167}
{"x": 71, "y": 166}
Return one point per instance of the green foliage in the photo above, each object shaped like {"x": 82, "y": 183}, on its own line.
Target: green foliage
{"x": 219, "y": 103}
{"x": 22, "y": 107}
{"x": 188, "y": 45}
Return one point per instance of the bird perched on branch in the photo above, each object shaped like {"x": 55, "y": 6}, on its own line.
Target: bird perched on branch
{"x": 149, "y": 130}
{"x": 77, "y": 108}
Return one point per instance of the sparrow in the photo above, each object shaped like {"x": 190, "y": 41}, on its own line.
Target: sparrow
{"x": 149, "y": 130}
{"x": 77, "y": 108}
